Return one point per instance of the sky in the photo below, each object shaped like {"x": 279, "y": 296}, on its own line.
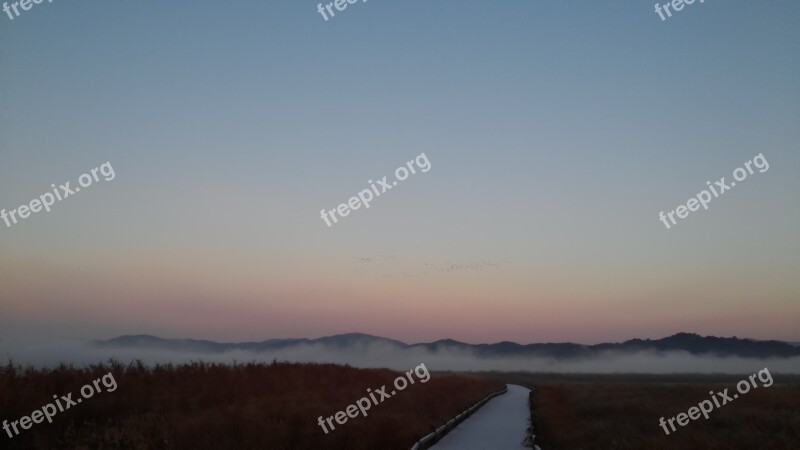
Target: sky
{"x": 556, "y": 132}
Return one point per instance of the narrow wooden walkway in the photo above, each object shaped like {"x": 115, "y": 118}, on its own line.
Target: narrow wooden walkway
{"x": 499, "y": 425}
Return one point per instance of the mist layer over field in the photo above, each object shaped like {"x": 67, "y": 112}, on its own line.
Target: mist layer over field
{"x": 380, "y": 355}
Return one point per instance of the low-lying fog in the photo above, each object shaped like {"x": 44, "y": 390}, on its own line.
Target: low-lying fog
{"x": 384, "y": 355}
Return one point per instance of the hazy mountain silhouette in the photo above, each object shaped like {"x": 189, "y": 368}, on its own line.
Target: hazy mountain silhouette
{"x": 686, "y": 342}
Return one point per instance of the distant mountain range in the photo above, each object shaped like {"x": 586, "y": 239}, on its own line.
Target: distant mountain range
{"x": 686, "y": 342}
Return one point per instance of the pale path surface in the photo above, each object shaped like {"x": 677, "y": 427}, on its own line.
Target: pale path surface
{"x": 499, "y": 425}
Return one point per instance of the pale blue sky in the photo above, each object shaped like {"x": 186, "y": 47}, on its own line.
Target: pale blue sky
{"x": 556, "y": 130}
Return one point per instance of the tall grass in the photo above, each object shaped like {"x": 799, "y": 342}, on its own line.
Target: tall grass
{"x": 240, "y": 406}
{"x": 622, "y": 411}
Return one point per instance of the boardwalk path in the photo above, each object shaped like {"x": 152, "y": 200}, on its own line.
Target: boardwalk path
{"x": 498, "y": 425}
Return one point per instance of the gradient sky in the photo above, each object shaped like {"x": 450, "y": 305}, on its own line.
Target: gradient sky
{"x": 556, "y": 130}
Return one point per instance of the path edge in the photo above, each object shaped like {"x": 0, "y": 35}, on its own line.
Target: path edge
{"x": 428, "y": 441}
